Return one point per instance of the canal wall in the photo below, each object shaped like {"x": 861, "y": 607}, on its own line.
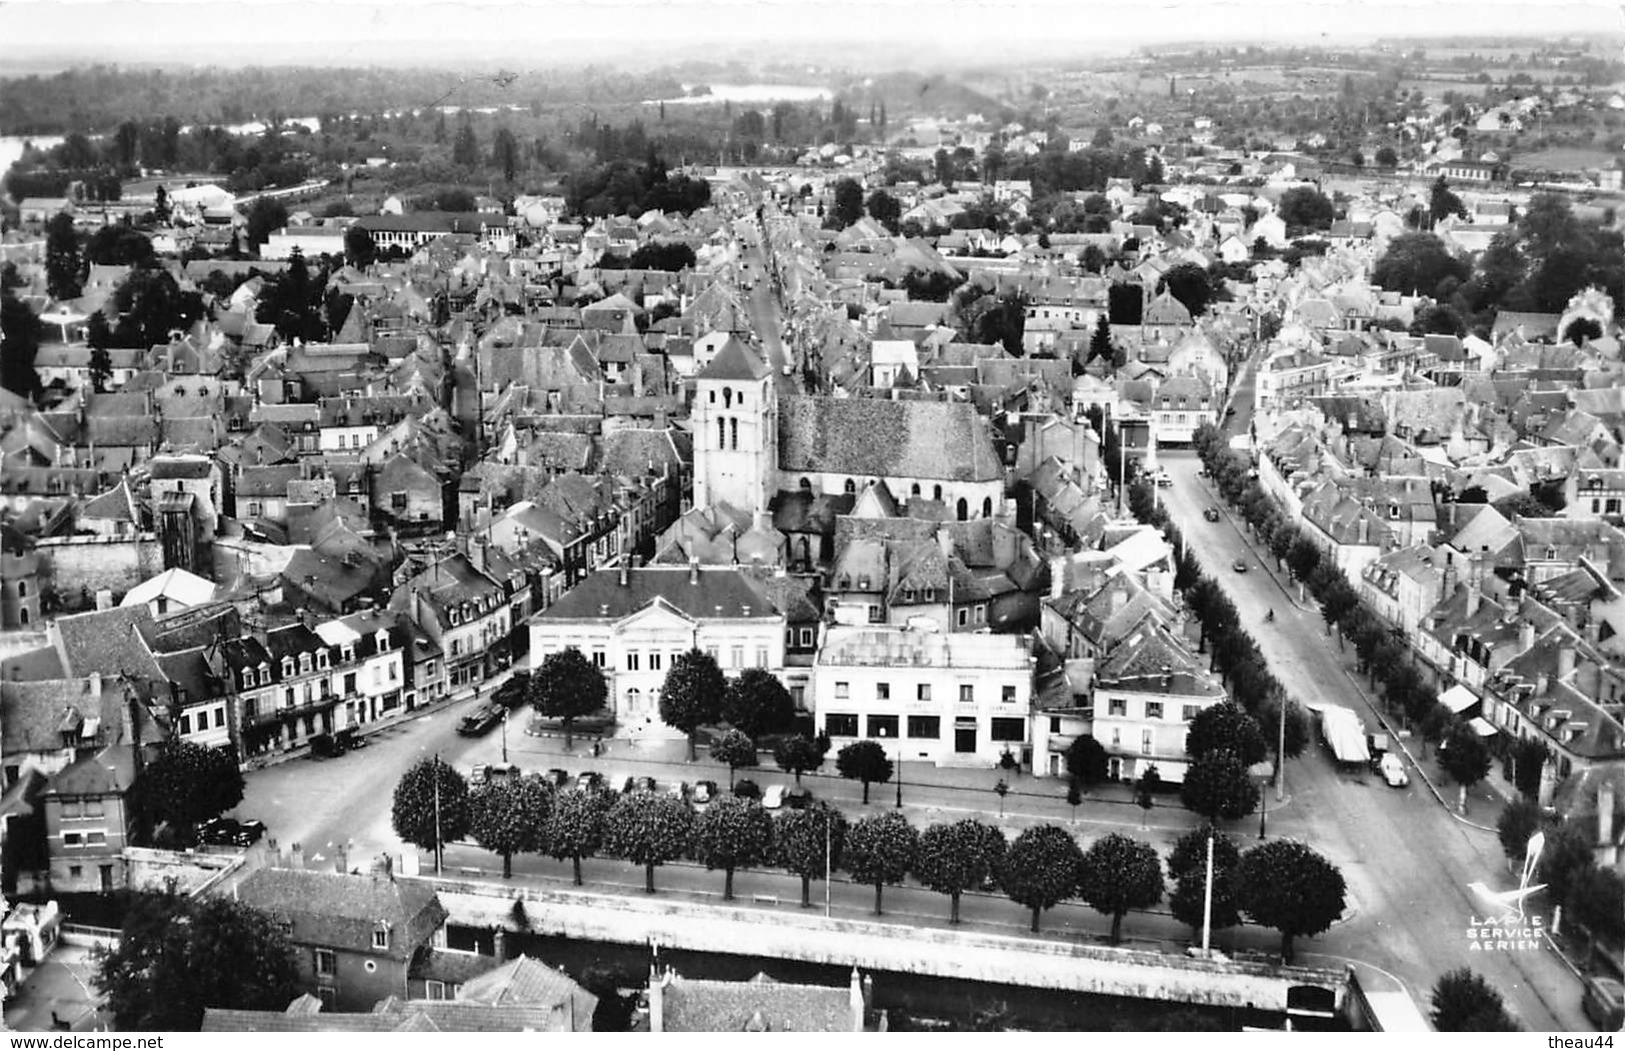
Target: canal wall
{"x": 805, "y": 936}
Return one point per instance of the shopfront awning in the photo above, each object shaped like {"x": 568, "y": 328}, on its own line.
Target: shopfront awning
{"x": 1481, "y": 726}
{"x": 1458, "y": 699}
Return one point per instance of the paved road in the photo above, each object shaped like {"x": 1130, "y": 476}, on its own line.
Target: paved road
{"x": 1407, "y": 859}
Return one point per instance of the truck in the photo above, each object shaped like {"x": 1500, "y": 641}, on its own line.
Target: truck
{"x": 1343, "y": 735}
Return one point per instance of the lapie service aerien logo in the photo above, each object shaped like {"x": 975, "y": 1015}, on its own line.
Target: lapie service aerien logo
{"x": 1507, "y": 925}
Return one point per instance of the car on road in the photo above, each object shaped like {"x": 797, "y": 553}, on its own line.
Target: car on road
{"x": 1392, "y": 769}
{"x": 229, "y": 832}
{"x": 557, "y": 778}
{"x": 589, "y": 781}
{"x": 1211, "y": 514}
{"x": 638, "y": 784}
{"x": 704, "y": 793}
{"x": 325, "y": 746}
{"x": 481, "y": 720}
{"x": 498, "y": 771}
{"x": 1239, "y": 565}
{"x": 798, "y": 798}
{"x": 679, "y": 790}
{"x": 349, "y": 739}
{"x": 773, "y": 798}
{"x": 1163, "y": 479}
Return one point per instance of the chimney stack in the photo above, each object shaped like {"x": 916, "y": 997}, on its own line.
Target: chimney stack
{"x": 1473, "y": 596}
{"x": 1119, "y": 599}
{"x": 1365, "y": 530}
{"x": 626, "y": 571}
{"x": 499, "y": 944}
{"x": 693, "y": 571}
{"x": 1565, "y": 661}
{"x": 296, "y": 856}
{"x": 1605, "y": 814}
{"x": 1526, "y": 636}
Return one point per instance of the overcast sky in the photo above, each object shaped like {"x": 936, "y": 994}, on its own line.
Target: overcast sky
{"x": 267, "y": 31}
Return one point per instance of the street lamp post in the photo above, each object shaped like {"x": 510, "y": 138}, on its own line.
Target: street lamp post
{"x": 504, "y": 735}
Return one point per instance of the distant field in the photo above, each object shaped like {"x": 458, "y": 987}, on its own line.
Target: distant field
{"x": 1563, "y": 158}
{"x": 1435, "y": 88}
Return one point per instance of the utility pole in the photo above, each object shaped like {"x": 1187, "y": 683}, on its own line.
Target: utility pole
{"x": 1280, "y": 755}
{"x": 828, "y": 859}
{"x": 899, "y": 773}
{"x": 1207, "y": 899}
{"x": 439, "y": 847}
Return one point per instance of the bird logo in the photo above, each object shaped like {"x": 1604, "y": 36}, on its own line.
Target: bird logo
{"x": 1510, "y": 903}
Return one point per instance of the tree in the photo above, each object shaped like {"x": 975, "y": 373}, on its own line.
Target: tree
{"x": 505, "y": 153}
{"x": 576, "y": 829}
{"x": 424, "y": 817}
{"x": 120, "y": 246}
{"x": 957, "y": 857}
{"x": 757, "y": 703}
{"x": 465, "y": 148}
{"x": 20, "y": 336}
{"x": 733, "y": 833}
{"x": 884, "y": 209}
{"x": 510, "y": 815}
{"x": 1217, "y": 787}
{"x": 808, "y": 843}
{"x": 101, "y": 362}
{"x": 797, "y": 755}
{"x": 1465, "y": 757}
{"x": 1305, "y": 208}
{"x": 1386, "y": 157}
{"x": 1004, "y": 323}
{"x": 566, "y": 687}
{"x": 944, "y": 164}
{"x": 1146, "y": 787}
{"x": 62, "y": 263}
{"x": 177, "y": 956}
{"x": 1086, "y": 761}
{"x": 150, "y": 305}
{"x": 1582, "y": 329}
{"x": 265, "y": 216}
{"x": 879, "y": 850}
{"x": 1187, "y": 866}
{"x": 1443, "y": 202}
{"x": 1226, "y": 727}
{"x": 1463, "y": 1002}
{"x": 1100, "y": 341}
{"x": 692, "y": 694}
{"x": 1189, "y": 284}
{"x": 848, "y": 204}
{"x": 1040, "y": 869}
{"x": 736, "y": 750}
{"x": 649, "y": 829}
{"x": 1519, "y": 820}
{"x": 186, "y": 784}
{"x": 1418, "y": 263}
{"x": 160, "y": 204}
{"x": 864, "y": 761}
{"x": 1528, "y": 757}
{"x": 1286, "y": 885}
{"x": 359, "y": 249}
{"x": 1117, "y": 874}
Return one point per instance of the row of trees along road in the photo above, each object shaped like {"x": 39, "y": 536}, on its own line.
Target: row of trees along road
{"x": 1280, "y": 884}
{"x": 1383, "y": 657}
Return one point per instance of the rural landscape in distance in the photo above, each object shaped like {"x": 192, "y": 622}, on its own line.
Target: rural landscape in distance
{"x": 812, "y": 518}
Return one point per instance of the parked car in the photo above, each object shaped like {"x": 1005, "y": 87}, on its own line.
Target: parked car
{"x": 773, "y": 798}
{"x": 590, "y": 781}
{"x": 481, "y": 720}
{"x": 798, "y": 798}
{"x": 1604, "y": 1002}
{"x": 325, "y": 746}
{"x": 638, "y": 784}
{"x": 349, "y": 739}
{"x": 745, "y": 788}
{"x": 679, "y": 790}
{"x": 1239, "y": 565}
{"x": 229, "y": 832}
{"x": 1163, "y": 479}
{"x": 704, "y": 793}
{"x": 1393, "y": 771}
{"x": 501, "y": 770}
{"x": 557, "y": 778}
{"x": 1211, "y": 514}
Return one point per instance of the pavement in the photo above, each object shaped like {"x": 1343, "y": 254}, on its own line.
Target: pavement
{"x": 60, "y": 990}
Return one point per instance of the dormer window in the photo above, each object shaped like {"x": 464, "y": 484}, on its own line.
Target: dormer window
{"x": 455, "y": 619}
{"x": 265, "y": 674}
{"x": 304, "y": 662}
{"x": 248, "y": 678}
{"x": 349, "y": 654}
{"x": 287, "y": 667}
{"x": 321, "y": 659}
{"x": 380, "y": 936}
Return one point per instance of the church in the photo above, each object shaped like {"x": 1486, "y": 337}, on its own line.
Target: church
{"x": 751, "y": 442}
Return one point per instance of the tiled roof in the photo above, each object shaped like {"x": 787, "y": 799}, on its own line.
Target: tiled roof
{"x": 342, "y": 910}
{"x": 874, "y": 438}
{"x": 721, "y": 592}
{"x": 531, "y": 983}
{"x": 110, "y": 771}
{"x": 759, "y": 1005}
{"x": 107, "y": 642}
